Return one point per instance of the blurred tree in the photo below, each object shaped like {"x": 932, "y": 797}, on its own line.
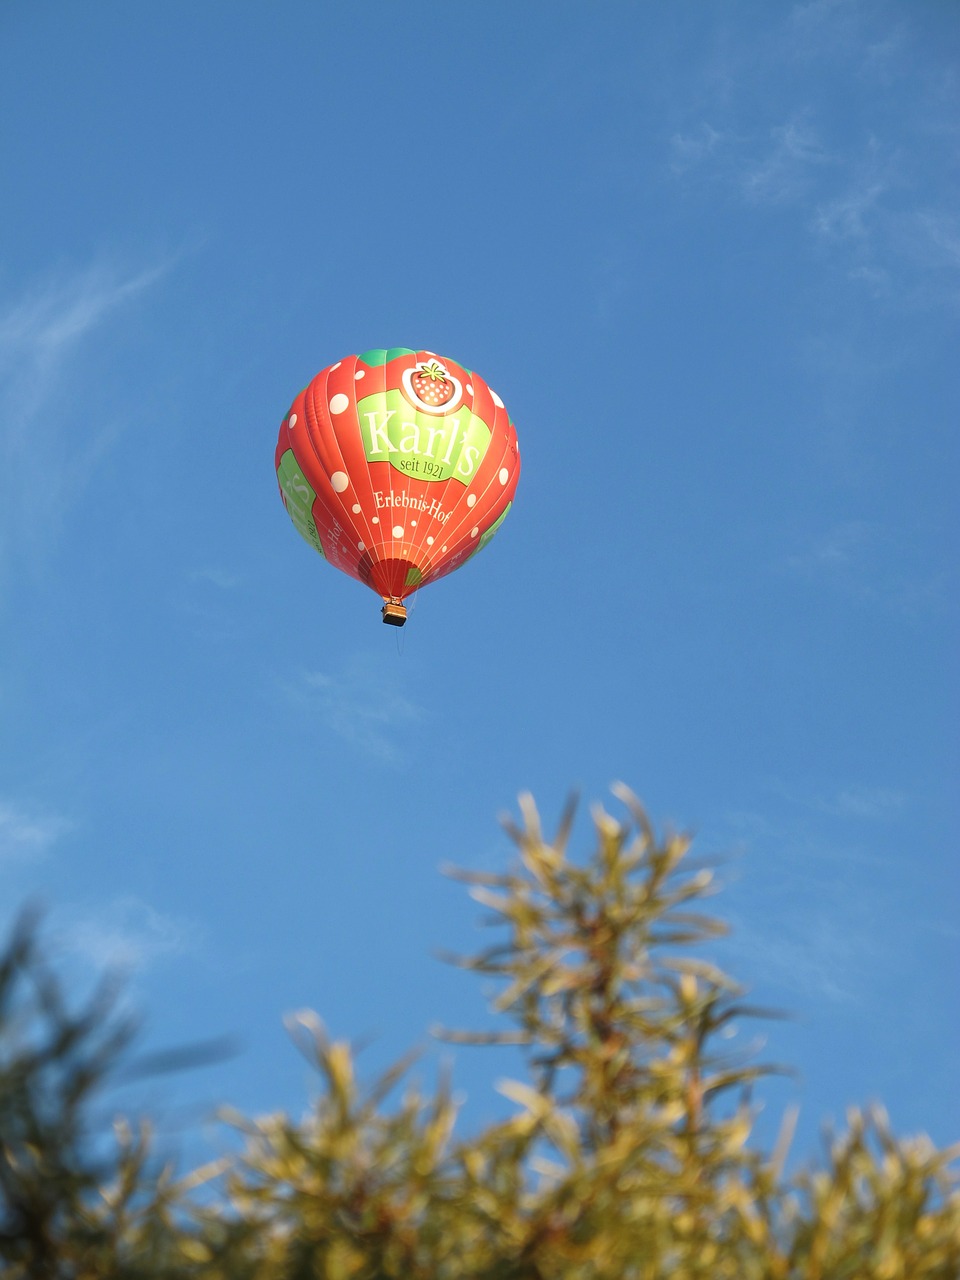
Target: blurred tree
{"x": 629, "y": 1156}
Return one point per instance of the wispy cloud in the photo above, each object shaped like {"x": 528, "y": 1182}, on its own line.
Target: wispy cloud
{"x": 854, "y": 800}
{"x": 861, "y": 561}
{"x": 809, "y": 856}
{"x": 41, "y": 327}
{"x": 783, "y": 170}
{"x": 824, "y": 26}
{"x": 126, "y": 934}
{"x": 40, "y": 334}
{"x": 777, "y": 165}
{"x": 841, "y": 547}
{"x": 869, "y": 196}
{"x": 813, "y": 923}
{"x": 688, "y": 150}
{"x": 894, "y": 249}
{"x": 818, "y": 953}
{"x": 220, "y": 578}
{"x": 933, "y": 235}
{"x": 360, "y": 705}
{"x": 846, "y": 216}
{"x": 872, "y": 803}
{"x": 26, "y": 836}
{"x": 874, "y": 44}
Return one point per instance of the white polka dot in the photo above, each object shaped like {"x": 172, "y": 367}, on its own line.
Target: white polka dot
{"x": 340, "y": 481}
{"x": 336, "y": 366}
{"x": 360, "y": 546}
{"x": 471, "y": 500}
{"x": 375, "y": 520}
{"x": 293, "y": 419}
{"x": 355, "y": 508}
{"x": 469, "y": 389}
{"x": 504, "y": 475}
{"x": 413, "y": 524}
{"x": 496, "y": 399}
{"x": 474, "y": 531}
{"x": 442, "y": 549}
{"x": 339, "y": 403}
{"x": 398, "y": 530}
{"x": 429, "y": 542}
{"x": 358, "y": 375}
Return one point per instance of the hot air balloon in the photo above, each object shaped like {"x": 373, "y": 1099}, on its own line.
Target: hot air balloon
{"x": 397, "y": 466}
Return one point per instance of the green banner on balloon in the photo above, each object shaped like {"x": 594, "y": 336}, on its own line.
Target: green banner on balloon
{"x": 298, "y": 497}
{"x": 418, "y": 444}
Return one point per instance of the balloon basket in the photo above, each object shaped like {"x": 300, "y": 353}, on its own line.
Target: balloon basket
{"x": 394, "y": 613}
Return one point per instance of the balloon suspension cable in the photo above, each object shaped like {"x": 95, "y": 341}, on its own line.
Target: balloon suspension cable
{"x": 394, "y": 611}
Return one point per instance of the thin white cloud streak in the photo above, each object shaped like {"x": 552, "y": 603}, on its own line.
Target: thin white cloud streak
{"x": 692, "y": 149}
{"x": 776, "y": 167}
{"x": 38, "y": 330}
{"x": 27, "y": 837}
{"x": 785, "y": 170}
{"x": 361, "y": 707}
{"x": 846, "y": 217}
{"x": 221, "y": 578}
{"x": 814, "y": 876}
{"x": 807, "y": 862}
{"x": 852, "y": 202}
{"x": 126, "y": 934}
{"x": 40, "y": 334}
{"x": 936, "y": 238}
{"x": 819, "y": 954}
{"x": 813, "y": 926}
{"x": 871, "y": 203}
{"x": 841, "y": 547}
{"x": 840, "y": 30}
{"x": 818, "y": 27}
{"x": 873, "y": 804}
{"x": 859, "y": 560}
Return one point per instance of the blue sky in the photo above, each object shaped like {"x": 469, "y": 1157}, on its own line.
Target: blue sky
{"x": 710, "y": 258}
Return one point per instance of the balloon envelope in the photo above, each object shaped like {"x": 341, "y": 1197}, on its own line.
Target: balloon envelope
{"x": 397, "y": 466}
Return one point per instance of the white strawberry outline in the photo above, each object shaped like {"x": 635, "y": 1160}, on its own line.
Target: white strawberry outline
{"x": 421, "y": 405}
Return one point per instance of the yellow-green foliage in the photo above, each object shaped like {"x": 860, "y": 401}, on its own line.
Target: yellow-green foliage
{"x": 629, "y": 1155}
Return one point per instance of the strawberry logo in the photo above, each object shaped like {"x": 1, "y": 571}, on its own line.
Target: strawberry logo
{"x": 431, "y": 386}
